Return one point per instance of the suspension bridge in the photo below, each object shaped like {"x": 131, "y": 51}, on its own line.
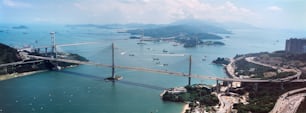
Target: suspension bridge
{"x": 189, "y": 75}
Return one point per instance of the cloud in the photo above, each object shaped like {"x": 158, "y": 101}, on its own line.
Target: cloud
{"x": 163, "y": 11}
{"x": 274, "y": 8}
{"x": 12, "y": 3}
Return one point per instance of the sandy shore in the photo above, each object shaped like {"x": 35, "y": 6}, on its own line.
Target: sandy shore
{"x": 15, "y": 75}
{"x": 185, "y": 107}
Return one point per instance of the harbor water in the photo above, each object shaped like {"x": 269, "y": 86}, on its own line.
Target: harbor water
{"x": 82, "y": 89}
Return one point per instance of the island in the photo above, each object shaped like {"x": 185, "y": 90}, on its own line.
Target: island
{"x": 187, "y": 35}
{"x": 221, "y": 61}
{"x": 20, "y": 27}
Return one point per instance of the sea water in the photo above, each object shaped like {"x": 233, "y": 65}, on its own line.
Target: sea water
{"x": 82, "y": 89}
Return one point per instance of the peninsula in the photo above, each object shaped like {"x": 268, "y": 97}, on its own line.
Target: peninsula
{"x": 284, "y": 75}
{"x": 14, "y": 64}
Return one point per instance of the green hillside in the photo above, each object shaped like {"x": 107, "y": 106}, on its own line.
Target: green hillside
{"x": 8, "y": 54}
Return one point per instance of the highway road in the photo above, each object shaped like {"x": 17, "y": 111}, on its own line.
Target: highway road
{"x": 289, "y": 101}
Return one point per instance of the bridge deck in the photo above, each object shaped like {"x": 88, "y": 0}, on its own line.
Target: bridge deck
{"x": 159, "y": 71}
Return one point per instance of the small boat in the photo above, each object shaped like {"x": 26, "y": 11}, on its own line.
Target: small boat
{"x": 204, "y": 58}
{"x": 155, "y": 58}
{"x": 57, "y": 68}
{"x": 165, "y": 64}
{"x": 165, "y": 51}
{"x": 116, "y": 77}
{"x": 131, "y": 55}
{"x": 122, "y": 53}
{"x": 176, "y": 44}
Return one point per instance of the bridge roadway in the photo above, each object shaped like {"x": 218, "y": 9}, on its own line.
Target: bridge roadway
{"x": 73, "y": 44}
{"x": 161, "y": 71}
{"x": 20, "y": 62}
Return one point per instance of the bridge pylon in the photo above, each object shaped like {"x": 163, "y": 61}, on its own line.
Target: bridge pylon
{"x": 113, "y": 77}
{"x": 54, "y": 53}
{"x": 189, "y": 78}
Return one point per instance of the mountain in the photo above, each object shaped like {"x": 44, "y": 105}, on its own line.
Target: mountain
{"x": 224, "y": 25}
{"x": 116, "y": 26}
{"x": 199, "y": 30}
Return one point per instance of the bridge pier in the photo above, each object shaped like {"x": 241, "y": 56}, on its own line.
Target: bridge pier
{"x": 217, "y": 86}
{"x": 282, "y": 86}
{"x": 53, "y": 44}
{"x": 255, "y": 87}
{"x": 189, "y": 78}
{"x": 46, "y": 51}
{"x": 113, "y": 61}
{"x": 113, "y": 78}
{"x": 229, "y": 84}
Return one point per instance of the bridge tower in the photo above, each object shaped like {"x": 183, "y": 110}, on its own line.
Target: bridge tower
{"x": 53, "y": 44}
{"x": 113, "y": 61}
{"x": 189, "y": 78}
{"x": 113, "y": 77}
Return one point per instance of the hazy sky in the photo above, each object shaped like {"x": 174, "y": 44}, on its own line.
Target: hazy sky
{"x": 263, "y": 13}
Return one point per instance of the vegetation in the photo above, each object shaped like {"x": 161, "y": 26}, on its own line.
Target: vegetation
{"x": 8, "y": 54}
{"x": 203, "y": 95}
{"x": 283, "y": 75}
{"x": 222, "y": 61}
{"x": 245, "y": 68}
{"x": 303, "y": 76}
{"x": 263, "y": 99}
{"x": 178, "y": 30}
{"x": 209, "y": 43}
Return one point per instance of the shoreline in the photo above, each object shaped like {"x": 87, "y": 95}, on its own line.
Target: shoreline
{"x": 16, "y": 75}
{"x": 185, "y": 107}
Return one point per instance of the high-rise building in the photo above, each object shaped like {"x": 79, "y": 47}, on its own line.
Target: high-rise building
{"x": 296, "y": 46}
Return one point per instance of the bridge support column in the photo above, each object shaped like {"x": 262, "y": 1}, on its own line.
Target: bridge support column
{"x": 282, "y": 86}
{"x": 113, "y": 61}
{"x": 46, "y": 51}
{"x": 217, "y": 86}
{"x": 255, "y": 87}
{"x": 189, "y": 78}
{"x": 229, "y": 84}
{"x": 54, "y": 52}
{"x": 5, "y": 69}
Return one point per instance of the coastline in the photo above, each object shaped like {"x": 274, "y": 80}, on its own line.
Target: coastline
{"x": 185, "y": 107}
{"x": 16, "y": 75}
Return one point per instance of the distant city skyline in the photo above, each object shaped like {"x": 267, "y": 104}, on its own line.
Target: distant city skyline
{"x": 261, "y": 13}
